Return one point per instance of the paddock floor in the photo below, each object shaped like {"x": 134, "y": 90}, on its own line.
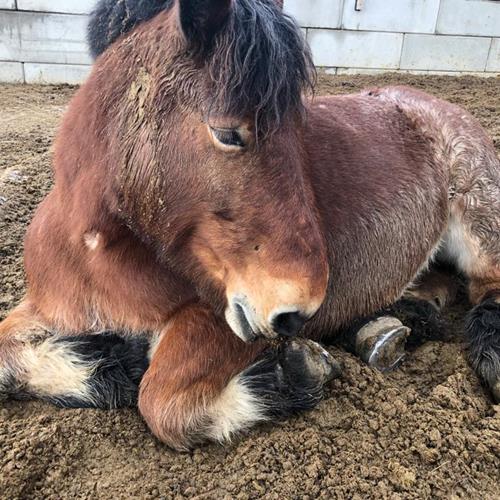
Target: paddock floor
{"x": 427, "y": 430}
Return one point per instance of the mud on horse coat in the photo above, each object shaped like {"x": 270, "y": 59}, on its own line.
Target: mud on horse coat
{"x": 202, "y": 206}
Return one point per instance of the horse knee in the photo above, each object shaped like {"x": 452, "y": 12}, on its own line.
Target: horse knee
{"x": 188, "y": 417}
{"x": 166, "y": 419}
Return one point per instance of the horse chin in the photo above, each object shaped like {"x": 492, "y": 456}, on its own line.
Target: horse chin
{"x": 240, "y": 325}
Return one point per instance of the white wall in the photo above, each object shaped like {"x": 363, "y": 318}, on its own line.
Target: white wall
{"x": 439, "y": 36}
{"x": 44, "y": 40}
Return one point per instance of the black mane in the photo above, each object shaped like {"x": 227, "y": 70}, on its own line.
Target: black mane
{"x": 258, "y": 66}
{"x": 112, "y": 18}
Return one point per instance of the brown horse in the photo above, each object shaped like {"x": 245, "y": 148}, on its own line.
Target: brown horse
{"x": 202, "y": 203}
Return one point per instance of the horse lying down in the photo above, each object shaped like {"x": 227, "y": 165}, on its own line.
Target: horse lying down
{"x": 203, "y": 207}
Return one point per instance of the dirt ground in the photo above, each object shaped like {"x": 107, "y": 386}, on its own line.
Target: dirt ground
{"x": 427, "y": 430}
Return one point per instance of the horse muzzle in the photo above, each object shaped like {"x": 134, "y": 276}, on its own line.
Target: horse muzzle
{"x": 249, "y": 325}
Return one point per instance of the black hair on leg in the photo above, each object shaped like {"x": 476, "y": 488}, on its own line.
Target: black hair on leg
{"x": 482, "y": 330}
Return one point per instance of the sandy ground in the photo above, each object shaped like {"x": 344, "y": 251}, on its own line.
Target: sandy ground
{"x": 427, "y": 430}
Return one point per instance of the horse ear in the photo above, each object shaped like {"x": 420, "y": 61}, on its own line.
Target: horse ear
{"x": 200, "y": 20}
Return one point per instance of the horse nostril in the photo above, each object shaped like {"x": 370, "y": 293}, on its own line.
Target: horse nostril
{"x": 288, "y": 324}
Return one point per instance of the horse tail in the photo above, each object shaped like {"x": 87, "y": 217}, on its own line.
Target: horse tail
{"x": 114, "y": 18}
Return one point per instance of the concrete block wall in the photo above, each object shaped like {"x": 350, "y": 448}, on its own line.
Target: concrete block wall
{"x": 43, "y": 41}
{"x": 368, "y": 36}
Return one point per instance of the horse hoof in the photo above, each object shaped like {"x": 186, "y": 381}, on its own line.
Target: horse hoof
{"x": 312, "y": 359}
{"x": 290, "y": 377}
{"x": 381, "y": 343}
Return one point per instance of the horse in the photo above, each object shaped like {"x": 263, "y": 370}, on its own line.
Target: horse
{"x": 212, "y": 220}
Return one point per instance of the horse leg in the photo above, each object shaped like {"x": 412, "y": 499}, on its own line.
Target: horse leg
{"x": 422, "y": 303}
{"x": 473, "y": 243}
{"x": 479, "y": 258}
{"x": 483, "y": 336}
{"x": 99, "y": 370}
{"x": 204, "y": 383}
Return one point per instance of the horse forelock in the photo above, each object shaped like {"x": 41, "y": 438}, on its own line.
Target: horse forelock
{"x": 259, "y": 66}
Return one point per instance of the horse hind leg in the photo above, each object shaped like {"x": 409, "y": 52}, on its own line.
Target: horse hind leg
{"x": 101, "y": 371}
{"x": 473, "y": 243}
{"x": 483, "y": 328}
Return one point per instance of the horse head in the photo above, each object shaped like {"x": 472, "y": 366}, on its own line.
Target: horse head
{"x": 215, "y": 173}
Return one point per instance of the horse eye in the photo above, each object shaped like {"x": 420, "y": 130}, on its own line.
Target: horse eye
{"x": 228, "y": 137}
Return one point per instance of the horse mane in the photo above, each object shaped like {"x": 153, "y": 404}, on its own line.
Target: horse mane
{"x": 112, "y": 18}
{"x": 259, "y": 63}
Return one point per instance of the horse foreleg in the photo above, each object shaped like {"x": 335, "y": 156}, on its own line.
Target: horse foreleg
{"x": 204, "y": 383}
{"x": 98, "y": 370}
